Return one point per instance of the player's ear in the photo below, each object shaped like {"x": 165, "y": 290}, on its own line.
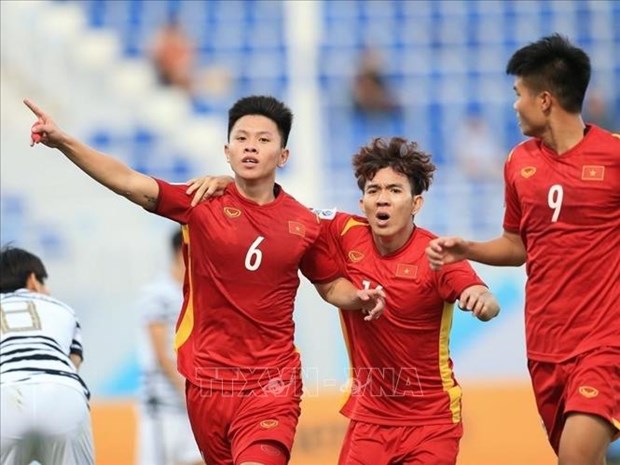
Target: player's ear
{"x": 227, "y": 153}
{"x": 284, "y": 154}
{"x": 417, "y": 203}
{"x": 33, "y": 284}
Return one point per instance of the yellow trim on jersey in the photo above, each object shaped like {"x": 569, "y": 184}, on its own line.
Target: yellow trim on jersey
{"x": 345, "y": 335}
{"x": 187, "y": 323}
{"x": 352, "y": 222}
{"x": 447, "y": 380}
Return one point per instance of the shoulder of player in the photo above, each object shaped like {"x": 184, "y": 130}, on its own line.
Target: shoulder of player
{"x": 522, "y": 150}
{"x": 604, "y": 136}
{"x": 424, "y": 235}
{"x": 25, "y": 295}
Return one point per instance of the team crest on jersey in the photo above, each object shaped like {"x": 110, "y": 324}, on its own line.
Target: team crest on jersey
{"x": 592, "y": 173}
{"x": 232, "y": 212}
{"x": 406, "y": 271}
{"x": 295, "y": 227}
{"x": 588, "y": 391}
{"x": 324, "y": 213}
{"x": 355, "y": 256}
{"x": 528, "y": 171}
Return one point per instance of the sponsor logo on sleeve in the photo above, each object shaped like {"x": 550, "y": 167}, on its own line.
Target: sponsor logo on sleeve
{"x": 325, "y": 213}
{"x": 528, "y": 171}
{"x": 588, "y": 391}
{"x": 269, "y": 424}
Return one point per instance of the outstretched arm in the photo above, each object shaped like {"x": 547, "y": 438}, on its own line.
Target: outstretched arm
{"x": 506, "y": 250}
{"x": 111, "y": 173}
{"x": 343, "y": 294}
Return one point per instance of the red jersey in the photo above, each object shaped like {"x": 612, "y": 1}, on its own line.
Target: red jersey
{"x": 401, "y": 367}
{"x": 566, "y": 209}
{"x": 235, "y": 331}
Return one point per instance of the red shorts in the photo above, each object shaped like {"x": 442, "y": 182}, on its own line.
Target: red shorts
{"x": 226, "y": 423}
{"x": 369, "y": 444}
{"x": 588, "y": 383}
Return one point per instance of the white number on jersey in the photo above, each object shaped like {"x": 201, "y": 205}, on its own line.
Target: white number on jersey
{"x": 366, "y": 285}
{"x": 23, "y": 318}
{"x": 254, "y": 257}
{"x": 554, "y": 199}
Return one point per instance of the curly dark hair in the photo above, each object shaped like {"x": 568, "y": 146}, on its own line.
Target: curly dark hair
{"x": 403, "y": 156}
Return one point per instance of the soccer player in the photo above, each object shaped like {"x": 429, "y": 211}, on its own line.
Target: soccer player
{"x": 405, "y": 403}
{"x": 243, "y": 251}
{"x": 562, "y": 219}
{"x": 165, "y": 435}
{"x": 44, "y": 415}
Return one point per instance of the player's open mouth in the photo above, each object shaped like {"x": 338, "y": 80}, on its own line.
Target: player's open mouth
{"x": 382, "y": 218}
{"x": 249, "y": 160}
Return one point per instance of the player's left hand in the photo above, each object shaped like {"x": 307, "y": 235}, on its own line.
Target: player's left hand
{"x": 207, "y": 186}
{"x": 480, "y": 302}
{"x": 373, "y": 303}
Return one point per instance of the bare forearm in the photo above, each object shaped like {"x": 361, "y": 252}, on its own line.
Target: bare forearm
{"x": 112, "y": 173}
{"x": 340, "y": 293}
{"x": 507, "y": 250}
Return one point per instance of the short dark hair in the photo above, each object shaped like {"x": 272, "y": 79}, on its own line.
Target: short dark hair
{"x": 176, "y": 241}
{"x": 403, "y": 156}
{"x": 16, "y": 265}
{"x": 266, "y": 106}
{"x": 554, "y": 64}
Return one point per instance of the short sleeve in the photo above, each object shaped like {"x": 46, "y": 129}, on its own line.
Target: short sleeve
{"x": 173, "y": 202}
{"x": 512, "y": 212}
{"x": 318, "y": 264}
{"x": 76, "y": 343}
{"x": 455, "y": 278}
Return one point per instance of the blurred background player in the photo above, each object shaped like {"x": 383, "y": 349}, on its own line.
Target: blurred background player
{"x": 403, "y": 389}
{"x": 562, "y": 202}
{"x": 244, "y": 250}
{"x": 44, "y": 415}
{"x": 165, "y": 435}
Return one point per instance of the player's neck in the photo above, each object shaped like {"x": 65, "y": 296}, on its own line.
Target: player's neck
{"x": 564, "y": 132}
{"x": 387, "y": 245}
{"x": 260, "y": 191}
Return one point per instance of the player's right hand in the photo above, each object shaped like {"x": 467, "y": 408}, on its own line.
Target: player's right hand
{"x": 445, "y": 250}
{"x": 373, "y": 303}
{"x": 44, "y": 130}
{"x": 206, "y": 187}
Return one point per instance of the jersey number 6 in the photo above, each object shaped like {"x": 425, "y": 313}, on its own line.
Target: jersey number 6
{"x": 254, "y": 257}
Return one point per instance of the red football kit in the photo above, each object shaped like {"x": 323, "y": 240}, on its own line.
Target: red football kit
{"x": 566, "y": 208}
{"x": 402, "y": 376}
{"x": 235, "y": 332}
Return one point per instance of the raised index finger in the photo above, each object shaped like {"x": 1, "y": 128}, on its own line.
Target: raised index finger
{"x": 35, "y": 109}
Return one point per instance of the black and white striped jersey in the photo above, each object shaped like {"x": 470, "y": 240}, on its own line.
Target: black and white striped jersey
{"x": 38, "y": 333}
